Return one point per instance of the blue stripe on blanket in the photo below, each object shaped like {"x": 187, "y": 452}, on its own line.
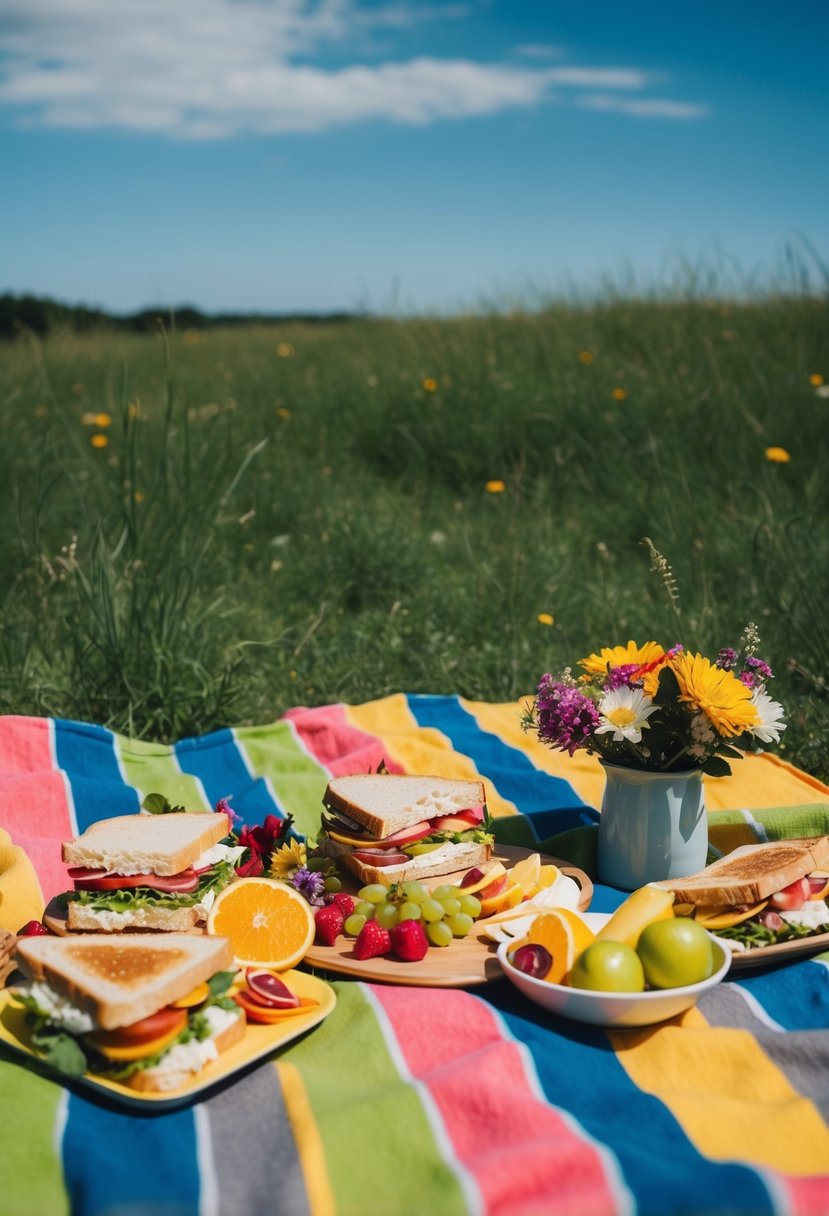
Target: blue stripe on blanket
{"x": 551, "y": 801}
{"x": 796, "y": 997}
{"x": 218, "y": 762}
{"x": 87, "y": 754}
{"x": 661, "y": 1167}
{"x": 105, "y": 1156}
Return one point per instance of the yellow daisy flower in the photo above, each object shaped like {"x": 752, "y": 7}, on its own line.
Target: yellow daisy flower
{"x": 495, "y": 486}
{"x": 816, "y": 379}
{"x": 621, "y": 656}
{"x": 288, "y": 858}
{"x": 430, "y": 384}
{"x": 619, "y": 394}
{"x": 724, "y": 700}
{"x": 777, "y": 455}
{"x": 585, "y": 356}
{"x": 98, "y": 441}
{"x": 545, "y": 618}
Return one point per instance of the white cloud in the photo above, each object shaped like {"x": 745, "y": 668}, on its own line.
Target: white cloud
{"x": 643, "y": 107}
{"x": 205, "y": 69}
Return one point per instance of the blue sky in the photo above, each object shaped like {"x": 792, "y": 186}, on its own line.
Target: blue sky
{"x": 289, "y": 155}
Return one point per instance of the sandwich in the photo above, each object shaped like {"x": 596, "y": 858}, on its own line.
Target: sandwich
{"x": 156, "y": 872}
{"x": 389, "y": 828}
{"x": 760, "y": 894}
{"x": 149, "y": 1012}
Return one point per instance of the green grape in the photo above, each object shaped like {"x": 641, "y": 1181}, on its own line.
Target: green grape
{"x": 387, "y": 915}
{"x": 451, "y": 907}
{"x": 460, "y": 924}
{"x": 318, "y": 864}
{"x": 333, "y": 884}
{"x": 446, "y": 892}
{"x": 364, "y": 908}
{"x": 415, "y": 892}
{"x": 410, "y": 910}
{"x": 470, "y": 905}
{"x": 374, "y": 893}
{"x": 354, "y": 924}
{"x": 439, "y": 933}
{"x": 431, "y": 910}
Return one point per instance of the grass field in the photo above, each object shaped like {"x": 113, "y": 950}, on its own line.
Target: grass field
{"x": 205, "y": 528}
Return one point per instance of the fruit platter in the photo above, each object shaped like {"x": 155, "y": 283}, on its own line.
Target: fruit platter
{"x": 449, "y": 937}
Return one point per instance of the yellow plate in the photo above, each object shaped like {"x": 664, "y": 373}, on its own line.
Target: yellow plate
{"x": 259, "y": 1041}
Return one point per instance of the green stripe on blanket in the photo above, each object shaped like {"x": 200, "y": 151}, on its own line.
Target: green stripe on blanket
{"x": 30, "y": 1167}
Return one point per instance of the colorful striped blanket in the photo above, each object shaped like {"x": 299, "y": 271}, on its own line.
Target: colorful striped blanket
{"x": 408, "y": 1099}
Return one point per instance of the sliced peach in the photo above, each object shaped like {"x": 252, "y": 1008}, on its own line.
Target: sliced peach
{"x": 490, "y": 871}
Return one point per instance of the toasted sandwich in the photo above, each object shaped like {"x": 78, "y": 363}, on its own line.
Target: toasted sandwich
{"x": 761, "y": 894}
{"x": 388, "y": 828}
{"x": 152, "y": 872}
{"x": 149, "y": 1012}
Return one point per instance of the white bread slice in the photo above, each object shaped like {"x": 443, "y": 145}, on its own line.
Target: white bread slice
{"x": 120, "y": 980}
{"x": 445, "y": 860}
{"x": 147, "y": 844}
{"x": 80, "y": 917}
{"x": 387, "y": 802}
{"x": 750, "y": 873}
{"x": 162, "y": 1080}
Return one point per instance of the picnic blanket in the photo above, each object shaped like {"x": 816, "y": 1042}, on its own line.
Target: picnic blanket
{"x": 406, "y": 1099}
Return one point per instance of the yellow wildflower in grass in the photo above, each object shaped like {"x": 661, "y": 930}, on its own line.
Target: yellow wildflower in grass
{"x": 816, "y": 379}
{"x": 288, "y": 858}
{"x": 103, "y": 419}
{"x": 585, "y": 356}
{"x": 139, "y": 496}
{"x": 283, "y": 412}
{"x": 284, "y": 349}
{"x": 619, "y": 394}
{"x": 623, "y": 656}
{"x": 777, "y": 455}
{"x": 495, "y": 486}
{"x": 723, "y": 698}
{"x": 98, "y": 441}
{"x": 545, "y": 618}
{"x": 430, "y": 384}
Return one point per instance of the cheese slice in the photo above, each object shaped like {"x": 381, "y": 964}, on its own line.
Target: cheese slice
{"x": 725, "y": 917}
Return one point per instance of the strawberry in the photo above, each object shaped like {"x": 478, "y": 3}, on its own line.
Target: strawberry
{"x": 372, "y": 940}
{"x": 346, "y": 902}
{"x": 33, "y": 928}
{"x": 409, "y": 941}
{"x": 329, "y": 921}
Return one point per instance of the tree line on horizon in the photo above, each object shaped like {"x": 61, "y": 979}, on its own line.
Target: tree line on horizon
{"x": 42, "y": 315}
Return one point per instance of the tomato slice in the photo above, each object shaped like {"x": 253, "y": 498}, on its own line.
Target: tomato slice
{"x": 792, "y": 897}
{"x": 141, "y": 1037}
{"x": 261, "y": 1013}
{"x": 100, "y": 880}
{"x": 381, "y": 857}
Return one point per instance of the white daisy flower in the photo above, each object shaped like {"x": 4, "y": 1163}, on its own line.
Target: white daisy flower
{"x": 770, "y": 714}
{"x": 625, "y": 711}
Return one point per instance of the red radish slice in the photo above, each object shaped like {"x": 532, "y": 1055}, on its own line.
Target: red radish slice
{"x": 268, "y": 989}
{"x": 409, "y": 835}
{"x": 101, "y": 880}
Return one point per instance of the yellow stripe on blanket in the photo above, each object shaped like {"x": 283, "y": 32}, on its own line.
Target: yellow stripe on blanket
{"x": 308, "y": 1141}
{"x": 419, "y": 749}
{"x": 727, "y": 1095}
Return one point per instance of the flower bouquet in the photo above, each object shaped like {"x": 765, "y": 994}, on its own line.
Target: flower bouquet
{"x": 658, "y": 719}
{"x": 658, "y": 710}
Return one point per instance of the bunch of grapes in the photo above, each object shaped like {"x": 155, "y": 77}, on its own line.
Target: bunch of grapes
{"x": 446, "y": 912}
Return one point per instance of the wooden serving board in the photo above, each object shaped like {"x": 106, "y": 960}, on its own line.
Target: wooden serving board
{"x": 464, "y": 962}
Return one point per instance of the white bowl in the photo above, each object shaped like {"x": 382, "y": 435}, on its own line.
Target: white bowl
{"x": 617, "y": 1010}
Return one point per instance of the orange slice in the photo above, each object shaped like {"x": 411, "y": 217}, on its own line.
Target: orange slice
{"x": 564, "y": 934}
{"x": 268, "y": 923}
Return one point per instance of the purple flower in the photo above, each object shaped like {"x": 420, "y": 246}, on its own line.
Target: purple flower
{"x": 619, "y": 676}
{"x": 727, "y": 658}
{"x": 223, "y": 807}
{"x": 565, "y": 716}
{"x": 759, "y": 668}
{"x": 310, "y": 884}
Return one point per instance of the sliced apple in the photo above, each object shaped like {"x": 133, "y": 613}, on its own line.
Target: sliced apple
{"x": 724, "y": 917}
{"x": 510, "y": 897}
{"x": 488, "y": 871}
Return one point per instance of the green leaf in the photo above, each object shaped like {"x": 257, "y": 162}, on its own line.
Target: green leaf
{"x": 61, "y": 1051}
{"x": 716, "y": 767}
{"x": 220, "y": 982}
{"x": 157, "y": 804}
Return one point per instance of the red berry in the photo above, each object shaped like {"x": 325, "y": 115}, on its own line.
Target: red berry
{"x": 409, "y": 941}
{"x": 33, "y": 928}
{"x": 329, "y": 921}
{"x": 346, "y": 903}
{"x": 372, "y": 941}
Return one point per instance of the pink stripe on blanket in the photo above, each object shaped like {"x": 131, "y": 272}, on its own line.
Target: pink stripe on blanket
{"x": 37, "y": 814}
{"x": 806, "y": 1196}
{"x": 336, "y": 744}
{"x": 500, "y": 1128}
{"x": 25, "y": 745}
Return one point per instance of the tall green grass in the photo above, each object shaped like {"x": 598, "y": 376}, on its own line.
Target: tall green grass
{"x": 297, "y": 515}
